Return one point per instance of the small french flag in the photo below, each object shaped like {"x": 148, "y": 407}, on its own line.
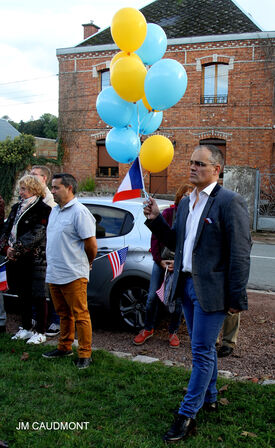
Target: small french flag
{"x": 3, "y": 279}
{"x": 132, "y": 184}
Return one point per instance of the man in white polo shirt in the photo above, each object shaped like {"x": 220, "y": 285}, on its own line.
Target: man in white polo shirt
{"x": 71, "y": 249}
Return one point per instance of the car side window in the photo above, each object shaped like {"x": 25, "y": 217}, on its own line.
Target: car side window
{"x": 111, "y": 221}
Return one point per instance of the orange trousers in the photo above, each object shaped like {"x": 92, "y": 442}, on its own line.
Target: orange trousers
{"x": 70, "y": 302}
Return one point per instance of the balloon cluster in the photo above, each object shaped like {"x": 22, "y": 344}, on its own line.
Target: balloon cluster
{"x": 134, "y": 102}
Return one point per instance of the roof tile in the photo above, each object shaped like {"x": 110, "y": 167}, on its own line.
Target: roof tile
{"x": 186, "y": 18}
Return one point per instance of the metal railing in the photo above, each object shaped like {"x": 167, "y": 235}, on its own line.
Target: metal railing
{"x": 267, "y": 195}
{"x": 216, "y": 99}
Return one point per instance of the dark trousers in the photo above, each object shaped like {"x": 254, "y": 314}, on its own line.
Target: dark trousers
{"x": 20, "y": 277}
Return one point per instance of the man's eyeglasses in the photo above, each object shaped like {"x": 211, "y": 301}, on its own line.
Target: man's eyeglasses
{"x": 200, "y": 164}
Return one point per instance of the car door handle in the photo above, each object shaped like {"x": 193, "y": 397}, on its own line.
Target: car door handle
{"x": 101, "y": 251}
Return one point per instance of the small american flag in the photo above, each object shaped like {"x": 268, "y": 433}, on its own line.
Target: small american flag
{"x": 117, "y": 260}
{"x": 161, "y": 290}
{"x": 3, "y": 279}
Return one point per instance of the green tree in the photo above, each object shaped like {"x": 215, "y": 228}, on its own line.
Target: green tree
{"x": 32, "y": 127}
{"x": 15, "y": 155}
{"x": 18, "y": 151}
{"x": 46, "y": 126}
{"x": 50, "y": 125}
{"x": 15, "y": 125}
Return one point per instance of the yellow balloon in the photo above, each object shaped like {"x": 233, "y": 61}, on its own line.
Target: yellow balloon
{"x": 129, "y": 29}
{"x": 127, "y": 78}
{"x": 156, "y": 153}
{"x": 146, "y": 104}
{"x": 123, "y": 54}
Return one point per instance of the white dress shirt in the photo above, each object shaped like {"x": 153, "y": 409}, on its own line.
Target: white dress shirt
{"x": 192, "y": 223}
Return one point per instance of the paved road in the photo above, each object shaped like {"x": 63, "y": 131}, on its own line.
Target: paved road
{"x": 262, "y": 271}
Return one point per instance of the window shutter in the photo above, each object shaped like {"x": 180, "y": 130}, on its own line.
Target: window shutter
{"x": 104, "y": 159}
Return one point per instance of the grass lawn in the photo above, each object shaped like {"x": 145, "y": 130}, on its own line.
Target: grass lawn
{"x": 117, "y": 403}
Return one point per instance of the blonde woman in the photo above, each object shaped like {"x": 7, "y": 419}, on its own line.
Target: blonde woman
{"x": 23, "y": 241}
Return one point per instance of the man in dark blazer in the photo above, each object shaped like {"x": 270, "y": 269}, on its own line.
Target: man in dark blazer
{"x": 212, "y": 244}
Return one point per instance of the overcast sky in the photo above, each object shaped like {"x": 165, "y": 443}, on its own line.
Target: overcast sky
{"x": 32, "y": 30}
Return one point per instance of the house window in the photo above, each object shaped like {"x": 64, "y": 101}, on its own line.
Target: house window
{"x": 106, "y": 167}
{"x": 214, "y": 84}
{"x": 105, "y": 79}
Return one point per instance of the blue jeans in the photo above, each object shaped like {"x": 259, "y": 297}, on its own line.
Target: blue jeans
{"x": 203, "y": 329}
{"x": 153, "y": 300}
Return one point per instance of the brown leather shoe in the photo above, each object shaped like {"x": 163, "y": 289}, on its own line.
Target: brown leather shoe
{"x": 182, "y": 427}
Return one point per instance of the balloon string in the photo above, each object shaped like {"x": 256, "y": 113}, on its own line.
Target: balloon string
{"x": 151, "y": 114}
{"x": 138, "y": 120}
{"x": 146, "y": 195}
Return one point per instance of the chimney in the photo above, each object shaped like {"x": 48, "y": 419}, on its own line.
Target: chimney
{"x": 90, "y": 29}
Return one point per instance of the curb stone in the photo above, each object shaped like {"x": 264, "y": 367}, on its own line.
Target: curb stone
{"x": 144, "y": 359}
{"x": 268, "y": 382}
{"x": 149, "y": 360}
{"x": 226, "y": 374}
{"x": 168, "y": 363}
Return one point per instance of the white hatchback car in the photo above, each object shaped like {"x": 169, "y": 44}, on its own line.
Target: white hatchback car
{"x": 121, "y": 224}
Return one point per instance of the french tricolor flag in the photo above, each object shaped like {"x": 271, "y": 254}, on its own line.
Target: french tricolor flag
{"x": 3, "y": 279}
{"x": 132, "y": 184}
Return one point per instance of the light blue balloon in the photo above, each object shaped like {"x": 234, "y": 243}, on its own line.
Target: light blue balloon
{"x": 154, "y": 45}
{"x": 150, "y": 123}
{"x": 165, "y": 84}
{"x": 123, "y": 144}
{"x": 113, "y": 109}
{"x": 144, "y": 122}
{"x": 139, "y": 113}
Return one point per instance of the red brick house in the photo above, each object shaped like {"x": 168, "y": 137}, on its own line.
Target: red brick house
{"x": 229, "y": 100}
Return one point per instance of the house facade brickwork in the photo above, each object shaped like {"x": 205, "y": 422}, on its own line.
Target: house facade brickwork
{"x": 242, "y": 125}
{"x": 46, "y": 147}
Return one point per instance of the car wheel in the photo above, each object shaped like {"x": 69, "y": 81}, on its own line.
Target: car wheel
{"x": 131, "y": 304}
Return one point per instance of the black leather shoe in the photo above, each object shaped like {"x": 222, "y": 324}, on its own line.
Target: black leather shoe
{"x": 182, "y": 427}
{"x": 83, "y": 363}
{"x": 57, "y": 354}
{"x": 210, "y": 407}
{"x": 224, "y": 351}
